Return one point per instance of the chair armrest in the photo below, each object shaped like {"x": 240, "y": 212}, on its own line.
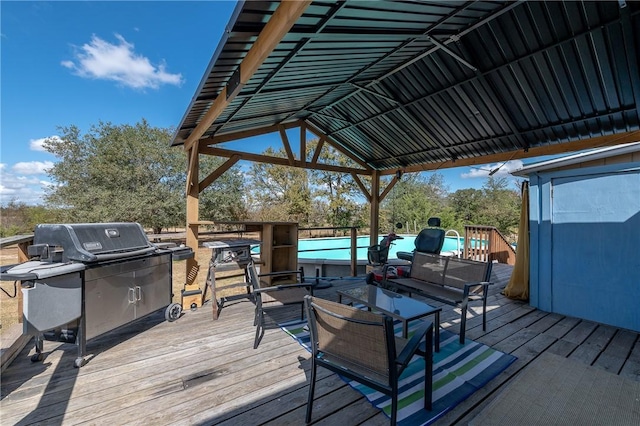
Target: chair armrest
{"x": 414, "y": 343}
{"x": 469, "y": 286}
{"x": 283, "y": 287}
{"x": 275, "y": 274}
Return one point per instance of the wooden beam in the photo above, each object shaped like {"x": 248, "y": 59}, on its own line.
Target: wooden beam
{"x": 555, "y": 149}
{"x": 362, "y": 187}
{"x": 192, "y": 168}
{"x": 316, "y": 131}
{"x": 284, "y": 17}
{"x": 374, "y": 219}
{"x": 388, "y": 188}
{"x": 218, "y": 172}
{"x": 287, "y": 146}
{"x": 316, "y": 154}
{"x": 234, "y": 136}
{"x": 303, "y": 143}
{"x": 259, "y": 158}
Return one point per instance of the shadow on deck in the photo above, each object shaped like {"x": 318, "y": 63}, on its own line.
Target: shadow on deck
{"x": 199, "y": 371}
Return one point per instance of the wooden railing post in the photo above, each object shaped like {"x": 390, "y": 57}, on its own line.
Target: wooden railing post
{"x": 354, "y": 251}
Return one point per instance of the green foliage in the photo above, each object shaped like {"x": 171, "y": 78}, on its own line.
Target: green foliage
{"x": 19, "y": 218}
{"x": 502, "y": 205}
{"x": 414, "y": 199}
{"x": 338, "y": 191}
{"x": 130, "y": 173}
{"x": 277, "y": 192}
{"x": 493, "y": 205}
{"x": 224, "y": 198}
{"x": 118, "y": 173}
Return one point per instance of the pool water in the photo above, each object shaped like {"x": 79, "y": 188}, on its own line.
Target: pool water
{"x": 317, "y": 248}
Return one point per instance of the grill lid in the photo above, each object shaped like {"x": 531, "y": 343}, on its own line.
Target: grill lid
{"x": 88, "y": 242}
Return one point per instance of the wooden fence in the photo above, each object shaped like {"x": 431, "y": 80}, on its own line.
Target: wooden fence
{"x": 486, "y": 244}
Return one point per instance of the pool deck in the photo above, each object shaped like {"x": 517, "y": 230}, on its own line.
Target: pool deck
{"x": 199, "y": 371}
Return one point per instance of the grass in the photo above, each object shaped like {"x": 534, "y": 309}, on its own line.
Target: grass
{"x": 8, "y": 306}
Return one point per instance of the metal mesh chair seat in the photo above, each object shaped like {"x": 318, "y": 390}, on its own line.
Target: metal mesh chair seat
{"x": 362, "y": 346}
{"x": 276, "y": 296}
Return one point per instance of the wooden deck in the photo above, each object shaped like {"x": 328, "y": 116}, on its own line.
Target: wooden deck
{"x": 199, "y": 371}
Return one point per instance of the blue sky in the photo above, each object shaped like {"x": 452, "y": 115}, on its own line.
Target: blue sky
{"x": 83, "y": 62}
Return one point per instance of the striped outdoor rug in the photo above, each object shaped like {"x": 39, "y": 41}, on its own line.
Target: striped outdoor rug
{"x": 458, "y": 371}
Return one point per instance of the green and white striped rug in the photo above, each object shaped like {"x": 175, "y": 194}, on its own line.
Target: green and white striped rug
{"x": 458, "y": 371}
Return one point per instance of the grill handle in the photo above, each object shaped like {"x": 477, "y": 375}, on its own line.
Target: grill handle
{"x": 113, "y": 256}
{"x": 132, "y": 296}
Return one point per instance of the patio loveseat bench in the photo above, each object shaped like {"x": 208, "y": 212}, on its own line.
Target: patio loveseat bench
{"x": 449, "y": 280}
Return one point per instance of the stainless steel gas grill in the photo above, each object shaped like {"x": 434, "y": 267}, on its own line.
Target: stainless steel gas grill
{"x": 86, "y": 279}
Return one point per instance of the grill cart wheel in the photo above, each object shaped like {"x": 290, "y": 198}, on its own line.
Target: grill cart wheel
{"x": 37, "y": 357}
{"x": 79, "y": 362}
{"x": 173, "y": 312}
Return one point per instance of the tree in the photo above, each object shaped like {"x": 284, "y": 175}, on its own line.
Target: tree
{"x": 19, "y": 218}
{"x": 414, "y": 199}
{"x": 466, "y": 204}
{"x": 224, "y": 199}
{"x": 338, "y": 191}
{"x": 501, "y": 206}
{"x": 123, "y": 173}
{"x": 493, "y": 205}
{"x": 279, "y": 192}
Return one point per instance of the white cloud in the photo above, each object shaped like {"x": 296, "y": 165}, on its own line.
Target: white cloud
{"x": 483, "y": 171}
{"x": 32, "y": 167}
{"x": 37, "y": 144}
{"x": 102, "y": 60}
{"x": 22, "y": 189}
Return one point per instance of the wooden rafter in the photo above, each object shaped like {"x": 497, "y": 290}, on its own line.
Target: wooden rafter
{"x": 230, "y": 137}
{"x": 287, "y": 146}
{"x": 319, "y": 133}
{"x": 259, "y": 158}
{"x": 303, "y": 143}
{"x": 316, "y": 154}
{"x": 281, "y": 21}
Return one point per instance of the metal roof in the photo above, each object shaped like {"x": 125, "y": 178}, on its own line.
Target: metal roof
{"x": 426, "y": 84}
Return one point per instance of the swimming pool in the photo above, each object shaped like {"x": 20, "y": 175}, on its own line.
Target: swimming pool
{"x": 318, "y": 248}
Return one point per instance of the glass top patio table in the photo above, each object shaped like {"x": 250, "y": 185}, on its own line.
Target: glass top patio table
{"x": 397, "y": 306}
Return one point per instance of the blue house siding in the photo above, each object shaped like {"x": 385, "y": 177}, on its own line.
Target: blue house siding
{"x": 585, "y": 238}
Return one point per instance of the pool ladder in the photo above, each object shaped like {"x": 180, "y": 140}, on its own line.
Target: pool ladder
{"x": 458, "y": 251}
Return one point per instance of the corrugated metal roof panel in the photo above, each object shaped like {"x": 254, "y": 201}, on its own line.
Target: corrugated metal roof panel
{"x": 404, "y": 83}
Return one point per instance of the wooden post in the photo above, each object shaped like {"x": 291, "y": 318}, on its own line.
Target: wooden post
{"x": 191, "y": 296}
{"x": 374, "y": 219}
{"x": 23, "y": 256}
{"x": 354, "y": 252}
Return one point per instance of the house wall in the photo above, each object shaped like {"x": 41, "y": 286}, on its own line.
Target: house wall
{"x": 585, "y": 238}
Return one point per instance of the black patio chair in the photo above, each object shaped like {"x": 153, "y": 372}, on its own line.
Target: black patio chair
{"x": 361, "y": 346}
{"x": 429, "y": 240}
{"x": 274, "y": 296}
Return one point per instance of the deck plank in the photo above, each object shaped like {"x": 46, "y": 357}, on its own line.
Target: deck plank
{"x": 591, "y": 348}
{"x": 199, "y": 371}
{"x": 617, "y": 351}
